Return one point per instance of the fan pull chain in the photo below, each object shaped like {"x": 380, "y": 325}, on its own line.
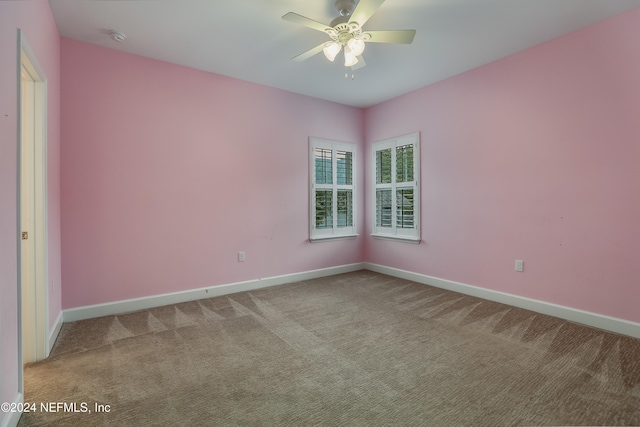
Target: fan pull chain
{"x": 346, "y": 76}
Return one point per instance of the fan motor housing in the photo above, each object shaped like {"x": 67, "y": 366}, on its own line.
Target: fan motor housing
{"x": 340, "y": 21}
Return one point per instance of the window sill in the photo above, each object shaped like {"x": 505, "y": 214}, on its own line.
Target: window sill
{"x": 328, "y": 238}
{"x": 397, "y": 238}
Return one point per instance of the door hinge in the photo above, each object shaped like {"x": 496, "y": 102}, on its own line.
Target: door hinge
{"x": 25, "y": 235}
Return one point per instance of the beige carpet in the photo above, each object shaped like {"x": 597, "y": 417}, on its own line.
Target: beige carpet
{"x": 359, "y": 349}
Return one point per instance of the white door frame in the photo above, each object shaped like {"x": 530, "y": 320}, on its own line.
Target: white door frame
{"x": 33, "y": 298}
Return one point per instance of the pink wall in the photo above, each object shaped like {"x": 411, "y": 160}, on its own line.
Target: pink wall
{"x": 36, "y": 21}
{"x": 533, "y": 157}
{"x": 168, "y": 172}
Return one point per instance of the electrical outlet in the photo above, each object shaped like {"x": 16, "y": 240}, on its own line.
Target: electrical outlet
{"x": 241, "y": 257}
{"x": 519, "y": 265}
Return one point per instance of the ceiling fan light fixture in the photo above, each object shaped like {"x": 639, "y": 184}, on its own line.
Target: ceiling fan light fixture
{"x": 346, "y": 32}
{"x": 356, "y": 46}
{"x": 331, "y": 50}
{"x": 349, "y": 58}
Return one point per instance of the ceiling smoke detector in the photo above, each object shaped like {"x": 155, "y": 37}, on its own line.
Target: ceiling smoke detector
{"x": 117, "y": 36}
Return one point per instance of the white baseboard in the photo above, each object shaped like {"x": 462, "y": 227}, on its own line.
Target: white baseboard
{"x": 53, "y": 334}
{"x": 600, "y": 321}
{"x": 11, "y": 418}
{"x": 135, "y": 304}
{"x": 608, "y": 323}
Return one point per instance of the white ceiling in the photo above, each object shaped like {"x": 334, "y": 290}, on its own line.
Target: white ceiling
{"x": 249, "y": 40}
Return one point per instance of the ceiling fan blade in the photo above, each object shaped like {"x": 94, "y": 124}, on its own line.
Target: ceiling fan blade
{"x": 360, "y": 63}
{"x": 308, "y": 54}
{"x": 364, "y": 10}
{"x": 302, "y": 20}
{"x": 392, "y": 36}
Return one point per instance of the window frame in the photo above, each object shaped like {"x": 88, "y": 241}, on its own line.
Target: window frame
{"x": 395, "y": 232}
{"x": 335, "y": 231}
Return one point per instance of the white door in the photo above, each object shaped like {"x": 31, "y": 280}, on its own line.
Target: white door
{"x": 33, "y": 217}
{"x": 27, "y": 192}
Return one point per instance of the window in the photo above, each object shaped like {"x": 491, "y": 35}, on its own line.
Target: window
{"x": 396, "y": 188}
{"x": 332, "y": 189}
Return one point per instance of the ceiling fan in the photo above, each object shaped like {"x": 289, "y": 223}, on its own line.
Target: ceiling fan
{"x": 346, "y": 32}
